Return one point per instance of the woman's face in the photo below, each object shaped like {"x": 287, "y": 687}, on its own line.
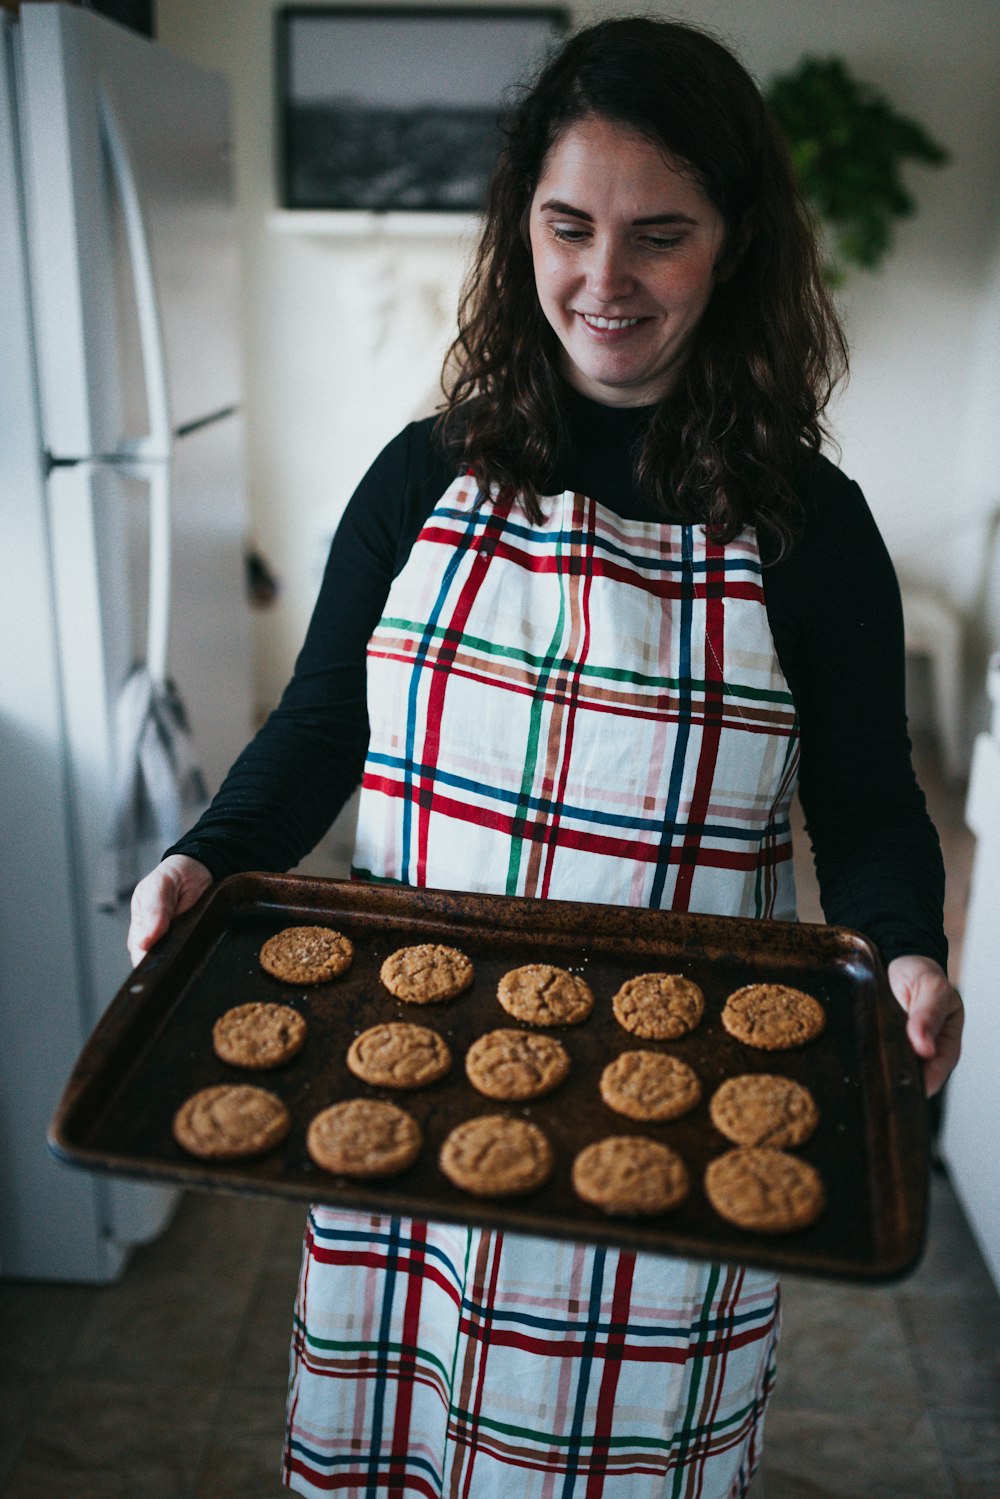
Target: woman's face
{"x": 626, "y": 254}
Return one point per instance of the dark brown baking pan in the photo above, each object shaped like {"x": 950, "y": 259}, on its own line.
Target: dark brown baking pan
{"x": 153, "y": 1049}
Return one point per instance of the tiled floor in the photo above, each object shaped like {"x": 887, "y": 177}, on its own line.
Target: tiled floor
{"x": 170, "y": 1385}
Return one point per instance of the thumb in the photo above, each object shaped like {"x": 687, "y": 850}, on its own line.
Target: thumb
{"x": 171, "y": 888}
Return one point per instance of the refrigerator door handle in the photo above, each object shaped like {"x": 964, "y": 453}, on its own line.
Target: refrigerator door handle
{"x": 156, "y": 443}
{"x": 160, "y": 788}
{"x": 158, "y": 616}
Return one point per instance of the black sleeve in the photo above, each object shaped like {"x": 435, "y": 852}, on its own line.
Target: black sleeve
{"x": 289, "y": 784}
{"x": 837, "y": 619}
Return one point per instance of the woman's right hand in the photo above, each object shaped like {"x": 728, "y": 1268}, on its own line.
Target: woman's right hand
{"x": 172, "y": 887}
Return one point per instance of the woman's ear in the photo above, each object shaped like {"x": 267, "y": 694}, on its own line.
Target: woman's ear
{"x": 737, "y": 247}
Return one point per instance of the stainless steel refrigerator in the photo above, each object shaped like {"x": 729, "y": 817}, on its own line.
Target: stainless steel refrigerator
{"x": 124, "y": 664}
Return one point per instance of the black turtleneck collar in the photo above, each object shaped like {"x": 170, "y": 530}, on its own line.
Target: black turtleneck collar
{"x": 600, "y": 452}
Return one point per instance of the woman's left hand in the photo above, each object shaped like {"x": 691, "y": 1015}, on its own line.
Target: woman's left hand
{"x": 935, "y": 1012}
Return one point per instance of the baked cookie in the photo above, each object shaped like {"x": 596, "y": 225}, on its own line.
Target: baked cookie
{"x": 760, "y": 1109}
{"x": 541, "y": 994}
{"x": 230, "y": 1122}
{"x": 649, "y": 1085}
{"x": 429, "y": 972}
{"x": 259, "y": 1035}
{"x": 307, "y": 955}
{"x": 764, "y": 1190}
{"x": 512, "y": 1065}
{"x": 396, "y": 1055}
{"x": 659, "y": 1006}
{"x": 363, "y": 1137}
{"x": 630, "y": 1175}
{"x": 773, "y": 1017}
{"x": 494, "y": 1156}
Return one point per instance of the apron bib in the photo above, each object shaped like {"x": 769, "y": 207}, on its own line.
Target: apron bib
{"x": 587, "y": 709}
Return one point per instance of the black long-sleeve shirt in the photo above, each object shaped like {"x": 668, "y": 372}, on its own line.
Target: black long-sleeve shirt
{"x": 834, "y": 611}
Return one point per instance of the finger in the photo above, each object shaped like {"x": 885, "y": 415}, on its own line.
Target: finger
{"x": 136, "y": 950}
{"x": 144, "y": 936}
{"x": 936, "y": 1074}
{"x": 925, "y": 1022}
{"x": 939, "y": 1044}
{"x": 929, "y": 1011}
{"x": 921, "y": 1037}
{"x": 940, "y": 1067}
{"x": 153, "y": 902}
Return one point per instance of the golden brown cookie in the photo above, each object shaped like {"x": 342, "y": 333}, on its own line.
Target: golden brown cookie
{"x": 396, "y": 1055}
{"x": 494, "y": 1156}
{"x": 307, "y": 955}
{"x": 259, "y": 1035}
{"x": 764, "y": 1190}
{"x": 760, "y": 1109}
{"x": 231, "y": 1121}
{"x": 649, "y": 1085}
{"x": 363, "y": 1137}
{"x": 516, "y": 1064}
{"x": 659, "y": 1006}
{"x": 630, "y": 1175}
{"x": 427, "y": 973}
{"x": 773, "y": 1017}
{"x": 541, "y": 994}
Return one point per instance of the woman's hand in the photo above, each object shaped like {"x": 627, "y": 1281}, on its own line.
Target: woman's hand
{"x": 935, "y": 1013}
{"x": 173, "y": 887}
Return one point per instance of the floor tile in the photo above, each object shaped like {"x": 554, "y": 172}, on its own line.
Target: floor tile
{"x": 102, "y": 1439}
{"x": 243, "y": 1459}
{"x": 822, "y": 1454}
{"x": 38, "y": 1322}
{"x": 215, "y": 1233}
{"x": 952, "y": 1264}
{"x": 179, "y": 1309}
{"x": 970, "y": 1445}
{"x": 955, "y": 1341}
{"x": 844, "y": 1348}
{"x": 261, "y": 1356}
{"x": 284, "y": 1248}
{"x": 186, "y": 1331}
{"x": 20, "y": 1396}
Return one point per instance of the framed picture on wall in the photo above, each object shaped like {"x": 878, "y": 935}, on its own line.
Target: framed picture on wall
{"x": 392, "y": 109}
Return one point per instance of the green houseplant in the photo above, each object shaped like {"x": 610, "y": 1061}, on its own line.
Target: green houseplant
{"x": 848, "y": 146}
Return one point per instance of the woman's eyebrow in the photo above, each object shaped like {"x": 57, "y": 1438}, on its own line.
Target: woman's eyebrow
{"x": 554, "y": 205}
{"x": 667, "y": 218}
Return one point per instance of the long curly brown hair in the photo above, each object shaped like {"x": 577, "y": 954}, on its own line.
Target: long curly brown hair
{"x": 725, "y": 443}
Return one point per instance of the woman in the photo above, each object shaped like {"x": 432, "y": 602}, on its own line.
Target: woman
{"x": 579, "y": 635}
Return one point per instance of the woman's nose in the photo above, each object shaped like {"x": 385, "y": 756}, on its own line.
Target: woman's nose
{"x": 609, "y": 272}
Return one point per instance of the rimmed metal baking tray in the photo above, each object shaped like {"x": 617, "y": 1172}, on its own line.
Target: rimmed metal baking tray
{"x": 153, "y": 1048}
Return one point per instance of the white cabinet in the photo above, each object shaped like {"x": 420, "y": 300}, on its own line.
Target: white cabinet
{"x": 972, "y": 1106}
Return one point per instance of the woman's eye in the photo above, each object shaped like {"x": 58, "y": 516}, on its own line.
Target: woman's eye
{"x": 572, "y": 234}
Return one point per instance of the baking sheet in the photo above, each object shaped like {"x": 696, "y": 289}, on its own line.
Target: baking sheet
{"x": 153, "y": 1049}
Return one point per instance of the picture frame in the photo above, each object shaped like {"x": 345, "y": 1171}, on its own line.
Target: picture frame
{"x": 393, "y": 109}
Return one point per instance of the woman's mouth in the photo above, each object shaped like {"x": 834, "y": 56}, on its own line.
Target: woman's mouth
{"x": 612, "y": 324}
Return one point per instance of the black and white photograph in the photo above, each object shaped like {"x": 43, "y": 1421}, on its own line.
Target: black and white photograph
{"x": 393, "y": 109}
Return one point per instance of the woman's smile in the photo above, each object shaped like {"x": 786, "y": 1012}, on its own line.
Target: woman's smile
{"x": 614, "y": 325}
{"x": 626, "y": 253}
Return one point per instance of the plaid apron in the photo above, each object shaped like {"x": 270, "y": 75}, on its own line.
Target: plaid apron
{"x": 588, "y": 709}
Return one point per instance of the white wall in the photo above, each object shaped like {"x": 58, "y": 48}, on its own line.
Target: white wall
{"x": 344, "y": 337}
